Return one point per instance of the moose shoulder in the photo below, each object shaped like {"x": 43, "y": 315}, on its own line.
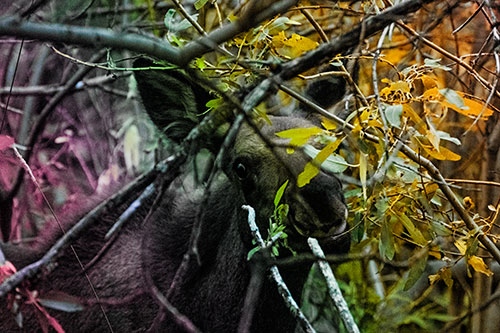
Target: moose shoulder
{"x": 213, "y": 293}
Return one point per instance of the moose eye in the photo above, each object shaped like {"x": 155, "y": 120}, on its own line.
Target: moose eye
{"x": 241, "y": 170}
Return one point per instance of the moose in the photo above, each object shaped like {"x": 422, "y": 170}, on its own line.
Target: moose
{"x": 213, "y": 291}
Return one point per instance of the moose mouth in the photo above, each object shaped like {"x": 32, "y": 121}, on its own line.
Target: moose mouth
{"x": 313, "y": 226}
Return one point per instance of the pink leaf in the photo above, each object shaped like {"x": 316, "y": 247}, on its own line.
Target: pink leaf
{"x": 6, "y": 270}
{"x": 5, "y": 142}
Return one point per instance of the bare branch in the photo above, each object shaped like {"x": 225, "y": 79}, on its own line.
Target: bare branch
{"x": 98, "y": 37}
{"x": 282, "y": 288}
{"x": 91, "y": 37}
{"x": 45, "y": 113}
{"x": 51, "y": 89}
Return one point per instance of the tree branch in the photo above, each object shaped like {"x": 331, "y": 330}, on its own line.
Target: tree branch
{"x": 98, "y": 37}
{"x": 333, "y": 288}
{"x": 52, "y": 89}
{"x": 336, "y": 46}
{"x": 275, "y": 274}
{"x": 87, "y": 221}
{"x": 91, "y": 37}
{"x": 44, "y": 115}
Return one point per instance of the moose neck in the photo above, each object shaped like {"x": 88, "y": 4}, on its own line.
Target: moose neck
{"x": 215, "y": 291}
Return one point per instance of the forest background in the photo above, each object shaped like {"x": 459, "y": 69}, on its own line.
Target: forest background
{"x": 415, "y": 138}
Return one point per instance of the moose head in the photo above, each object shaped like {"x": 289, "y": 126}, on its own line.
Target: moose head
{"x": 212, "y": 294}
{"x": 258, "y": 162}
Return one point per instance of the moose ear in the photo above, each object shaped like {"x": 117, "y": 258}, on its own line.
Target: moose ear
{"x": 172, "y": 100}
{"x": 327, "y": 91}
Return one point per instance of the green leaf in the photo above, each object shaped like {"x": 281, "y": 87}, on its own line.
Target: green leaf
{"x": 386, "y": 244}
{"x": 333, "y": 163}
{"x": 393, "y": 114}
{"x": 173, "y": 26}
{"x": 252, "y": 252}
{"x": 198, "y": 4}
{"x": 200, "y": 63}
{"x": 363, "y": 171}
{"x": 66, "y": 305}
{"x": 280, "y": 24}
{"x": 434, "y": 63}
{"x": 282, "y": 211}
{"x": 423, "y": 323}
{"x": 312, "y": 168}
{"x": 176, "y": 41}
{"x": 185, "y": 24}
{"x": 440, "y": 229}
{"x": 416, "y": 271}
{"x": 415, "y": 234}
{"x": 213, "y": 104}
{"x": 168, "y": 20}
{"x": 453, "y": 98}
{"x": 446, "y": 136}
{"x": 279, "y": 194}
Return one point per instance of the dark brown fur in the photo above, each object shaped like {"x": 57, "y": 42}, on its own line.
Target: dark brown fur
{"x": 212, "y": 294}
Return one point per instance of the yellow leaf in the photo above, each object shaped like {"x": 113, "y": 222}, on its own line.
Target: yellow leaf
{"x": 398, "y": 91}
{"x": 479, "y": 266}
{"x": 398, "y": 86}
{"x": 443, "y": 274}
{"x": 310, "y": 171}
{"x": 363, "y": 168}
{"x": 293, "y": 46}
{"x": 428, "y": 82}
{"x": 446, "y": 276}
{"x": 475, "y": 108}
{"x": 299, "y": 136}
{"x": 461, "y": 245}
{"x": 432, "y": 135}
{"x": 131, "y": 145}
{"x": 432, "y": 95}
{"x": 374, "y": 123}
{"x": 464, "y": 104}
{"x": 434, "y": 278}
{"x": 451, "y": 99}
{"x": 328, "y": 124}
{"x": 468, "y": 203}
{"x": 411, "y": 114}
{"x": 402, "y": 86}
{"x": 430, "y": 189}
{"x": 444, "y": 154}
{"x": 312, "y": 167}
{"x": 434, "y": 251}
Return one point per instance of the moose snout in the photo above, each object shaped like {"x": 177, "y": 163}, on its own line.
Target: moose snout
{"x": 325, "y": 205}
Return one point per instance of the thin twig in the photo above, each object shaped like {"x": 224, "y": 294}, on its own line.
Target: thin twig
{"x": 72, "y": 234}
{"x": 44, "y": 115}
{"x": 51, "y": 89}
{"x": 451, "y": 56}
{"x": 87, "y": 277}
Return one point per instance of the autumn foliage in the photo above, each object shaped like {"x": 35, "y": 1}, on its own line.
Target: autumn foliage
{"x": 426, "y": 84}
